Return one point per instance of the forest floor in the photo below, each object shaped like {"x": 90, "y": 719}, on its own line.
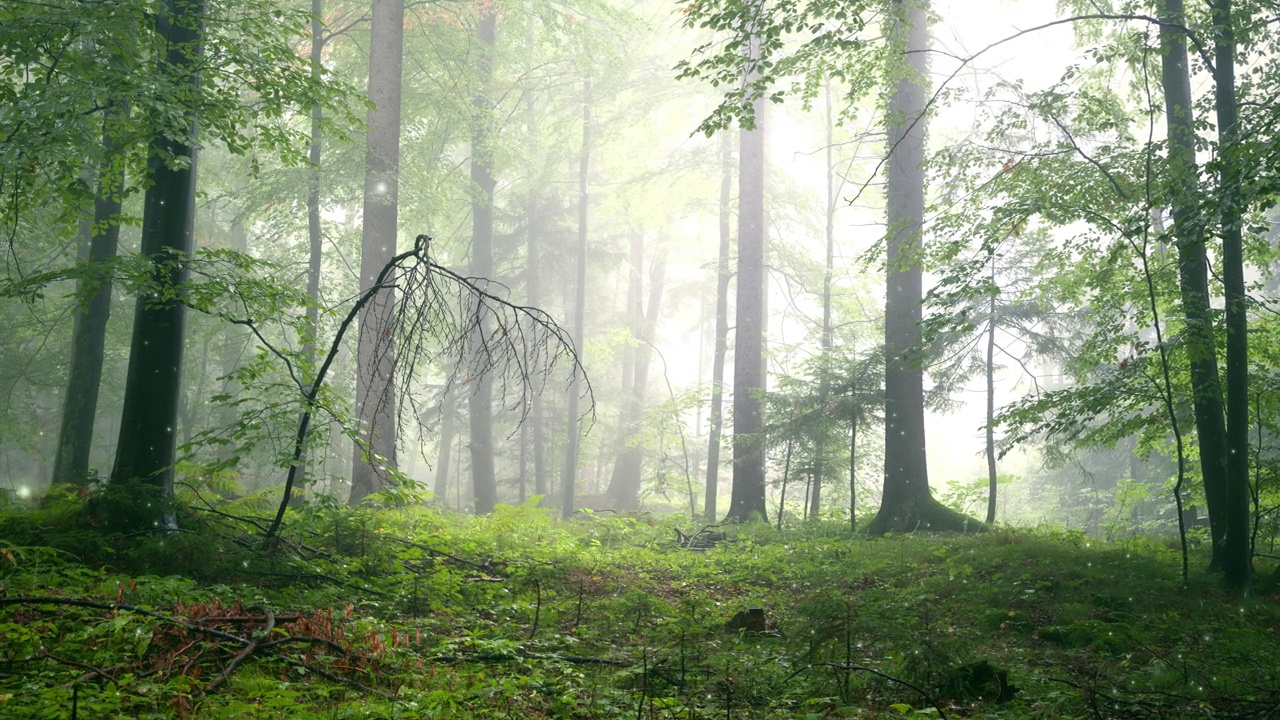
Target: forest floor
{"x": 413, "y": 613}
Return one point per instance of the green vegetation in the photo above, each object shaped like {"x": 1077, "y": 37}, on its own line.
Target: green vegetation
{"x": 413, "y": 613}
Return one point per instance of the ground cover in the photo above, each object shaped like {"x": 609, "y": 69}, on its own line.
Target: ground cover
{"x": 414, "y": 613}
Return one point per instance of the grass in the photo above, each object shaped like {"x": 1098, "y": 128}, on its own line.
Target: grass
{"x": 411, "y": 613}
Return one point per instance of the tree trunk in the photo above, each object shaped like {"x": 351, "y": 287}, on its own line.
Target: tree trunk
{"x": 747, "y": 498}
{"x": 786, "y": 477}
{"x": 992, "y": 476}
{"x": 723, "y": 275}
{"x": 315, "y": 235}
{"x": 448, "y": 428}
{"x": 853, "y": 469}
{"x": 1193, "y": 275}
{"x": 533, "y": 295}
{"x": 89, "y": 328}
{"x": 634, "y": 313}
{"x": 824, "y": 382}
{"x": 1237, "y": 563}
{"x": 375, "y": 386}
{"x": 624, "y": 486}
{"x": 906, "y": 502}
{"x": 145, "y": 451}
{"x": 569, "y": 479}
{"x": 523, "y": 480}
{"x": 231, "y": 353}
{"x": 484, "y": 482}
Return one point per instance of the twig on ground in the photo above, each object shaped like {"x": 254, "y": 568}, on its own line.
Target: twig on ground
{"x": 245, "y": 653}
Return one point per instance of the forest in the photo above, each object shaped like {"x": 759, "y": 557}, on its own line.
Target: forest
{"x": 639, "y": 359}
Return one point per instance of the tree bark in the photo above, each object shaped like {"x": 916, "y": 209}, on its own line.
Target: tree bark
{"x": 89, "y": 327}
{"x": 146, "y": 448}
{"x": 1237, "y": 561}
{"x": 569, "y": 479}
{"x": 906, "y": 503}
{"x": 375, "y": 386}
{"x": 315, "y": 237}
{"x": 484, "y": 484}
{"x": 747, "y": 498}
{"x": 723, "y": 276}
{"x": 1193, "y": 274}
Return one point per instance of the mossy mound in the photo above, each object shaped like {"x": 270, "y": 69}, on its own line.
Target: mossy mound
{"x": 978, "y": 681}
{"x": 996, "y": 619}
{"x": 926, "y": 514}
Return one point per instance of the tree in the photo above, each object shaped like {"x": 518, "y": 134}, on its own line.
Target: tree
{"x": 89, "y": 329}
{"x": 747, "y": 498}
{"x": 723, "y": 276}
{"x": 906, "y": 502}
{"x": 483, "y": 480}
{"x": 146, "y": 447}
{"x": 819, "y": 454}
{"x": 375, "y": 453}
{"x": 448, "y": 428}
{"x": 1237, "y": 564}
{"x": 533, "y": 295}
{"x": 315, "y": 232}
{"x": 1193, "y": 274}
{"x": 569, "y": 479}
{"x": 624, "y": 485}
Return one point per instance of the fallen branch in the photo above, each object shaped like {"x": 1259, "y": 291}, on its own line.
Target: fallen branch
{"x": 886, "y": 676}
{"x": 321, "y": 577}
{"x": 244, "y": 654}
{"x": 213, "y": 632}
{"x": 121, "y": 607}
{"x": 92, "y": 670}
{"x": 305, "y": 639}
{"x": 508, "y": 657}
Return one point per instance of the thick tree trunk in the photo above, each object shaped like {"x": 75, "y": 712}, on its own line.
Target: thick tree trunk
{"x": 906, "y": 503}
{"x": 146, "y": 448}
{"x": 723, "y": 276}
{"x": 1193, "y": 273}
{"x": 375, "y": 386}
{"x": 747, "y": 498}
{"x": 1237, "y": 561}
{"x": 569, "y": 479}
{"x": 89, "y": 328}
{"x": 624, "y": 486}
{"x": 484, "y": 484}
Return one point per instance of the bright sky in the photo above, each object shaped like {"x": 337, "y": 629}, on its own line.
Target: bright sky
{"x": 1038, "y": 59}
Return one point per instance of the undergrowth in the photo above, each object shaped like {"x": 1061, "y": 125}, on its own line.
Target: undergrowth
{"x": 415, "y": 613}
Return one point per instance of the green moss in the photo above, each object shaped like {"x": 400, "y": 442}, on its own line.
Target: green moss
{"x": 996, "y": 619}
{"x": 928, "y": 514}
{"x": 1105, "y": 637}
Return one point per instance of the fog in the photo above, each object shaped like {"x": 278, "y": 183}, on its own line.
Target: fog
{"x": 567, "y": 127}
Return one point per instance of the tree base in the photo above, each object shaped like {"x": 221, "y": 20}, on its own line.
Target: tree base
{"x": 926, "y": 514}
